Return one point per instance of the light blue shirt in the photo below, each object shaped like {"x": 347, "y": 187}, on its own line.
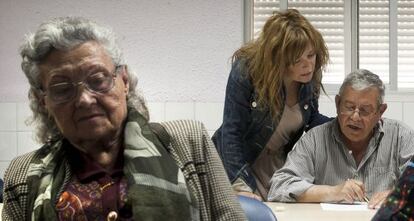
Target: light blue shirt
{"x": 321, "y": 158}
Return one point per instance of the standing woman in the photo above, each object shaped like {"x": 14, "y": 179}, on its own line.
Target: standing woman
{"x": 271, "y": 99}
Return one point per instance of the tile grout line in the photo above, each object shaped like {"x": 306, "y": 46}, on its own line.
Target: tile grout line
{"x": 16, "y": 134}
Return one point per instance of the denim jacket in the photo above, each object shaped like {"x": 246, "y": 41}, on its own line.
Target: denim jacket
{"x": 246, "y": 128}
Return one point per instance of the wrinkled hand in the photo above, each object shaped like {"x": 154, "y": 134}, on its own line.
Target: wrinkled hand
{"x": 251, "y": 195}
{"x": 377, "y": 199}
{"x": 350, "y": 191}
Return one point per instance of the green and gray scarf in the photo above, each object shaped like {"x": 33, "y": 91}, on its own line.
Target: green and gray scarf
{"x": 156, "y": 186}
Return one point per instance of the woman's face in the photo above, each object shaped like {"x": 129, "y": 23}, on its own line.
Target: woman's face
{"x": 87, "y": 116}
{"x": 302, "y": 70}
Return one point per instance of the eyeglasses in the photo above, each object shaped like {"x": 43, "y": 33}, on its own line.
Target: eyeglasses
{"x": 362, "y": 111}
{"x": 99, "y": 82}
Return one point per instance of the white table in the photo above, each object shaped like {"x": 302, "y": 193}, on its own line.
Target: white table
{"x": 314, "y": 212}
{"x": 309, "y": 212}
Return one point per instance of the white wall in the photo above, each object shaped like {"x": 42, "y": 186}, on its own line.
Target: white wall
{"x": 179, "y": 48}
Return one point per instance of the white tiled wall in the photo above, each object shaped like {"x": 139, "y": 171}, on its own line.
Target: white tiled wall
{"x": 17, "y": 138}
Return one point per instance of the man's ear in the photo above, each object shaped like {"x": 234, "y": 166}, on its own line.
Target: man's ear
{"x": 337, "y": 101}
{"x": 382, "y": 108}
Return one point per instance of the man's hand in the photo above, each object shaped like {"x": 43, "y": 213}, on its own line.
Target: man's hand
{"x": 377, "y": 199}
{"x": 112, "y": 216}
{"x": 350, "y": 191}
{"x": 251, "y": 195}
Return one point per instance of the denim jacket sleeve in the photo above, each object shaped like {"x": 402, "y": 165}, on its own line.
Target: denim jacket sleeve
{"x": 229, "y": 139}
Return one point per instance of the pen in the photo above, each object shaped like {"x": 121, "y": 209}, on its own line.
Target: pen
{"x": 365, "y": 197}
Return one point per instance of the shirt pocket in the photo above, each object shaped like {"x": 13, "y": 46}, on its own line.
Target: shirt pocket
{"x": 379, "y": 179}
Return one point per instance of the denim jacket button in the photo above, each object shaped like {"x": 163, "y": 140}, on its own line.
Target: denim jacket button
{"x": 306, "y": 107}
{"x": 254, "y": 104}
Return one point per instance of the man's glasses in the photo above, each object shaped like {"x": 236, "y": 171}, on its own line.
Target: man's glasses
{"x": 99, "y": 82}
{"x": 362, "y": 111}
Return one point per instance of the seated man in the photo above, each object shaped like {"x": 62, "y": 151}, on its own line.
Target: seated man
{"x": 356, "y": 157}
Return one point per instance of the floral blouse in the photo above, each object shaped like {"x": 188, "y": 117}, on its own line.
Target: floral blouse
{"x": 399, "y": 205}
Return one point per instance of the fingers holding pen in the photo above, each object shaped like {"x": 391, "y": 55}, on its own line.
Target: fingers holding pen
{"x": 352, "y": 190}
{"x": 359, "y": 190}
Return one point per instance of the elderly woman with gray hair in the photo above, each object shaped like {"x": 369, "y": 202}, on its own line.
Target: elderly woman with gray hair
{"x": 101, "y": 158}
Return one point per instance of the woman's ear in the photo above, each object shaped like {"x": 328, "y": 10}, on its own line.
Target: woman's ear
{"x": 125, "y": 78}
{"x": 39, "y": 91}
{"x": 40, "y": 97}
{"x": 42, "y": 101}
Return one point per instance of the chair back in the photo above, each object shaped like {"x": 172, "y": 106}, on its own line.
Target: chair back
{"x": 256, "y": 210}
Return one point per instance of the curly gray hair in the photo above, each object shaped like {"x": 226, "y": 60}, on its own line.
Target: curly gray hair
{"x": 361, "y": 79}
{"x": 63, "y": 34}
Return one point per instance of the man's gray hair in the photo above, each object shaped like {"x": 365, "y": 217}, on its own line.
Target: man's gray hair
{"x": 362, "y": 79}
{"x": 64, "y": 34}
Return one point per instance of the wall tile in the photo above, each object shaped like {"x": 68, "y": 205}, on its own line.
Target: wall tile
{"x": 327, "y": 108}
{"x": 3, "y": 167}
{"x": 23, "y": 114}
{"x": 408, "y": 116}
{"x": 26, "y": 142}
{"x": 8, "y": 145}
{"x": 211, "y": 132}
{"x": 394, "y": 111}
{"x": 179, "y": 111}
{"x": 211, "y": 114}
{"x": 156, "y": 111}
{"x": 8, "y": 117}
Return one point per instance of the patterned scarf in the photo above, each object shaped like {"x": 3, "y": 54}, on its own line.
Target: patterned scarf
{"x": 157, "y": 189}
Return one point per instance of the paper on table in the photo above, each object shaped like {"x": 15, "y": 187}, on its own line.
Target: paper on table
{"x": 357, "y": 206}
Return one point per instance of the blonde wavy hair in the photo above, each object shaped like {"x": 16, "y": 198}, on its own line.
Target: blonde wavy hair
{"x": 282, "y": 41}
